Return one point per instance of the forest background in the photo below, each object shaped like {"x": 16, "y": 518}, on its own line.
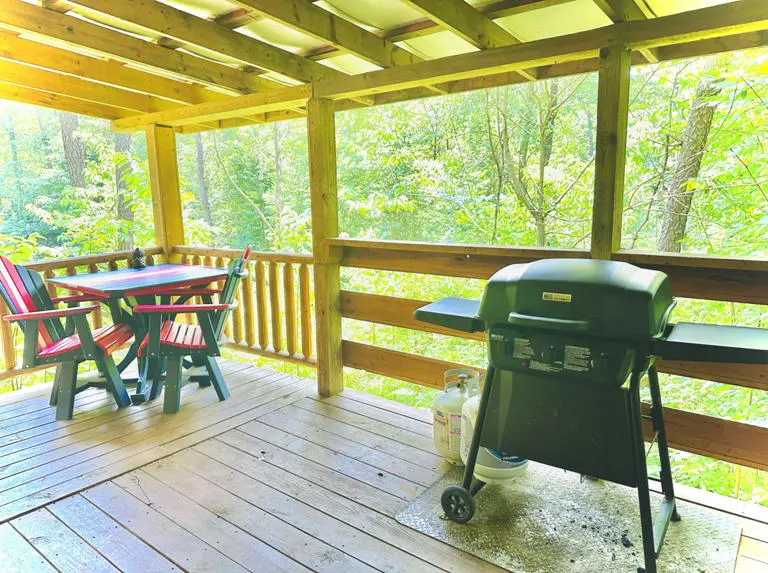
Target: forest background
{"x": 505, "y": 166}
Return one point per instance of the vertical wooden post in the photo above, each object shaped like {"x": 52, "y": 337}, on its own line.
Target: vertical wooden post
{"x": 610, "y": 150}
{"x": 164, "y": 180}
{"x": 321, "y": 132}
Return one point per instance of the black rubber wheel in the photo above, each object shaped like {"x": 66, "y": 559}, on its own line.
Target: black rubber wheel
{"x": 458, "y": 504}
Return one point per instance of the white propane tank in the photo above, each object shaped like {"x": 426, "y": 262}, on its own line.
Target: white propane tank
{"x": 491, "y": 466}
{"x": 460, "y": 385}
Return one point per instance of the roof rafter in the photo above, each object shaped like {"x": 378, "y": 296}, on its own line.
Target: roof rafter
{"x": 469, "y": 24}
{"x": 59, "y": 102}
{"x": 693, "y": 26}
{"x": 305, "y": 17}
{"x": 190, "y": 29}
{"x": 43, "y": 80}
{"x": 23, "y": 17}
{"x": 625, "y": 11}
{"x": 109, "y": 72}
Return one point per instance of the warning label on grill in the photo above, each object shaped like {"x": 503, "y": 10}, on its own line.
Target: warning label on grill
{"x": 577, "y": 358}
{"x": 522, "y": 348}
{"x": 556, "y": 296}
{"x": 544, "y": 367}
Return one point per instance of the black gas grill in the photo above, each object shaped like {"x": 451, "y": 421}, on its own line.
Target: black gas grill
{"x": 568, "y": 343}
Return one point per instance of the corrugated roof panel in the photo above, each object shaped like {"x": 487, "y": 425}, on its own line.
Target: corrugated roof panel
{"x": 438, "y": 45}
{"x": 350, "y": 64}
{"x": 376, "y": 14}
{"x": 281, "y": 36}
{"x": 559, "y": 20}
{"x": 202, "y": 8}
{"x": 667, "y": 7}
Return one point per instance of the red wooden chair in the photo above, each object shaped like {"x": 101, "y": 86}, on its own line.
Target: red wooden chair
{"x": 48, "y": 341}
{"x": 174, "y": 340}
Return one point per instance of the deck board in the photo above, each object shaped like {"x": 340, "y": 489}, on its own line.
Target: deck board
{"x": 274, "y": 479}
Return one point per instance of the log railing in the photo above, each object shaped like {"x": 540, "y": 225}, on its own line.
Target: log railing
{"x": 10, "y": 337}
{"x": 274, "y": 317}
{"x": 710, "y": 278}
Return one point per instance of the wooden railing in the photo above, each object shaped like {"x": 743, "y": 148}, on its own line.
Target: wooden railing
{"x": 274, "y": 315}
{"x": 10, "y": 337}
{"x": 724, "y": 279}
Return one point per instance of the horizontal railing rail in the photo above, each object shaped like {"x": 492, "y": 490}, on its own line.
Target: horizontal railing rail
{"x": 274, "y": 317}
{"x": 10, "y": 336}
{"x": 711, "y": 278}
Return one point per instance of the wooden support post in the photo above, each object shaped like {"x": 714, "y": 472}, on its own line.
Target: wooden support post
{"x": 321, "y": 132}
{"x": 164, "y": 180}
{"x": 611, "y": 147}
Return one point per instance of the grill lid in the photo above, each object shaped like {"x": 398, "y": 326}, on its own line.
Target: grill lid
{"x": 605, "y": 298}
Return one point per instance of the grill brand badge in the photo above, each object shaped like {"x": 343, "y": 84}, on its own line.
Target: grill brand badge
{"x": 556, "y": 296}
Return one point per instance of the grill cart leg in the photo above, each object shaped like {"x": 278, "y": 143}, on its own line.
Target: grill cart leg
{"x": 643, "y": 495}
{"x": 658, "y": 425}
{"x": 457, "y": 501}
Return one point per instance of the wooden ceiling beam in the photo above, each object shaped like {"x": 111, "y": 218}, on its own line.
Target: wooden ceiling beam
{"x": 59, "y": 102}
{"x": 303, "y": 16}
{"x": 109, "y": 72}
{"x": 625, "y": 11}
{"x": 469, "y": 24}
{"x": 190, "y": 29}
{"x": 43, "y": 80}
{"x": 463, "y": 20}
{"x": 691, "y": 26}
{"x": 491, "y": 10}
{"x": 26, "y": 18}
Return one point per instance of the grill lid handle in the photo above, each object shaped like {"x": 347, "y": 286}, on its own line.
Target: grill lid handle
{"x": 545, "y": 322}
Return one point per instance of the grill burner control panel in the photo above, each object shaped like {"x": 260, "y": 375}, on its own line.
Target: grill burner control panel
{"x": 536, "y": 352}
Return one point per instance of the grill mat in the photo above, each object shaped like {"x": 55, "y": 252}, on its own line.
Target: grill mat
{"x": 548, "y": 520}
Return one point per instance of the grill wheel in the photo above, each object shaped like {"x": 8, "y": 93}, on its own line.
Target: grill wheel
{"x": 458, "y": 504}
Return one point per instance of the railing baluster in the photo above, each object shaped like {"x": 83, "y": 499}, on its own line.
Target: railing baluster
{"x": 97, "y": 319}
{"x": 150, "y": 261}
{"x": 6, "y": 339}
{"x": 208, "y": 261}
{"x": 250, "y": 331}
{"x": 274, "y": 303}
{"x": 261, "y": 305}
{"x": 306, "y": 311}
{"x": 290, "y": 309}
{"x": 112, "y": 265}
{"x": 49, "y": 274}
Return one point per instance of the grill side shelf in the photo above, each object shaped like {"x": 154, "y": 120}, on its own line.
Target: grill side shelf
{"x": 714, "y": 343}
{"x": 455, "y": 313}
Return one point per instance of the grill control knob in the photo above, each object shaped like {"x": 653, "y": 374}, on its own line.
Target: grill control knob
{"x": 548, "y": 354}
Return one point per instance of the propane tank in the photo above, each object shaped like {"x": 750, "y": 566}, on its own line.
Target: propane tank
{"x": 460, "y": 385}
{"x": 491, "y": 466}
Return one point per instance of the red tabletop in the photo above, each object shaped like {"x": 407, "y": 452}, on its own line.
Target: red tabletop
{"x": 115, "y": 284}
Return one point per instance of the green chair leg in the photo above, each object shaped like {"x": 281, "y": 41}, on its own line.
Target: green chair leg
{"x": 65, "y": 398}
{"x": 114, "y": 381}
{"x": 172, "y": 398}
{"x": 216, "y": 378}
{"x": 55, "y": 388}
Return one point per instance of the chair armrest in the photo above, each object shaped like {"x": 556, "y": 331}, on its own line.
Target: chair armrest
{"x": 178, "y": 308}
{"x": 75, "y": 298}
{"x": 187, "y": 291}
{"x": 43, "y": 314}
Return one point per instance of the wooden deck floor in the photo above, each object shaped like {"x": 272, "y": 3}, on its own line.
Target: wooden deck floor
{"x": 273, "y": 479}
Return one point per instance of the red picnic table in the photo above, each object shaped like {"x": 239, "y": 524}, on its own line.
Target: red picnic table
{"x": 123, "y": 289}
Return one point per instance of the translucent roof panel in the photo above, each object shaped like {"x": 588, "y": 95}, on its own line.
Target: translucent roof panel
{"x": 202, "y": 8}
{"x": 438, "y": 45}
{"x": 281, "y": 35}
{"x": 559, "y": 20}
{"x": 667, "y": 7}
{"x": 376, "y": 14}
{"x": 350, "y": 64}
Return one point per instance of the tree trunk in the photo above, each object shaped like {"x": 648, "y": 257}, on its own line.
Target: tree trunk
{"x": 74, "y": 153}
{"x": 680, "y": 191}
{"x": 124, "y": 211}
{"x": 278, "y": 187}
{"x": 201, "y": 189}
{"x": 18, "y": 203}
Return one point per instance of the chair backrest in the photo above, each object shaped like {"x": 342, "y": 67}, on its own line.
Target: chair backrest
{"x": 235, "y": 273}
{"x": 23, "y": 291}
